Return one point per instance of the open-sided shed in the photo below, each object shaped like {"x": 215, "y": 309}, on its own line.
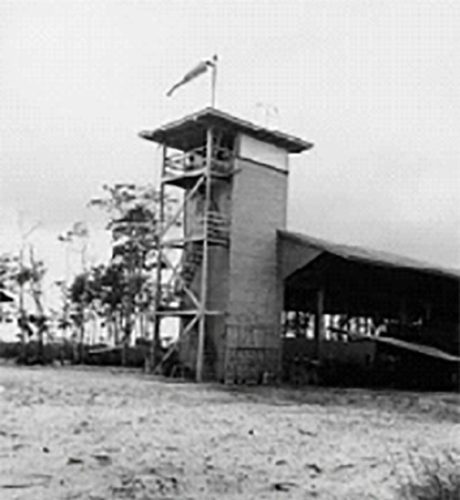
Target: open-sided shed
{"x": 416, "y": 302}
{"x": 364, "y": 281}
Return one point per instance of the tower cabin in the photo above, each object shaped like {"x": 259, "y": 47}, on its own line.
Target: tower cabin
{"x": 233, "y": 179}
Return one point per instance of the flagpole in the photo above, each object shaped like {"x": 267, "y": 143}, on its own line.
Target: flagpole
{"x": 214, "y": 81}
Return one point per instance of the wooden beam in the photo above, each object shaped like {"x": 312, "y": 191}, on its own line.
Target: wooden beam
{"x": 156, "y": 337}
{"x": 204, "y": 269}
{"x": 176, "y": 274}
{"x": 181, "y": 208}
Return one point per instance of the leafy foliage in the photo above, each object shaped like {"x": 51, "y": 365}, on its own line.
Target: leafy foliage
{"x": 14, "y": 273}
{"x": 124, "y": 288}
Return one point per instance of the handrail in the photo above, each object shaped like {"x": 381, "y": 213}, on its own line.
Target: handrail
{"x": 215, "y": 220}
{"x": 218, "y": 227}
{"x": 195, "y": 159}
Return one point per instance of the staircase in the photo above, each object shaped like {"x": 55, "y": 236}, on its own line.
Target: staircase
{"x": 192, "y": 261}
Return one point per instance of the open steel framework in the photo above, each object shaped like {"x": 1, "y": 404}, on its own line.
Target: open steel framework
{"x": 195, "y": 171}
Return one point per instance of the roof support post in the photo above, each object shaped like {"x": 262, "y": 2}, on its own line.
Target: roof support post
{"x": 155, "y": 346}
{"x": 319, "y": 322}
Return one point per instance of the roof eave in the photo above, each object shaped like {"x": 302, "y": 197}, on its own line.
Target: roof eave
{"x": 212, "y": 116}
{"x": 346, "y": 252}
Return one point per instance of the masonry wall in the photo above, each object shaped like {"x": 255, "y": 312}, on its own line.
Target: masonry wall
{"x": 262, "y": 152}
{"x": 259, "y": 203}
{"x": 244, "y": 343}
{"x": 214, "y": 351}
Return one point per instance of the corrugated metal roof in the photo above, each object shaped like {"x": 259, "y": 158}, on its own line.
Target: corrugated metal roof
{"x": 368, "y": 256}
{"x": 173, "y": 133}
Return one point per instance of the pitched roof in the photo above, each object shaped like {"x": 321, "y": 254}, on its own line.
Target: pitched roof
{"x": 178, "y": 134}
{"x": 369, "y": 256}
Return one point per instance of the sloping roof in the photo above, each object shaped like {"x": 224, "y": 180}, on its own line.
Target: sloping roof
{"x": 368, "y": 256}
{"x": 180, "y": 133}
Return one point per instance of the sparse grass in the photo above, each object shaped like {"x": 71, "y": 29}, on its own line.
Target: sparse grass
{"x": 432, "y": 479}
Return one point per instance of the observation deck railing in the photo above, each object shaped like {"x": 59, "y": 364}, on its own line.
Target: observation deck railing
{"x": 194, "y": 162}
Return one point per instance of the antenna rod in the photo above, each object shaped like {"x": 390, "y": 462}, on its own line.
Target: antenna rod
{"x": 214, "y": 81}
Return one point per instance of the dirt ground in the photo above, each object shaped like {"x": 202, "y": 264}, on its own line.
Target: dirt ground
{"x": 89, "y": 433}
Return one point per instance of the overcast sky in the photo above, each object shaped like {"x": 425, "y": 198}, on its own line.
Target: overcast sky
{"x": 375, "y": 86}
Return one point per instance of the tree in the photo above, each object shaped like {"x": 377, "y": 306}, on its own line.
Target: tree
{"x": 78, "y": 231}
{"x": 35, "y": 276}
{"x": 135, "y": 222}
{"x": 8, "y": 286}
{"x": 80, "y": 298}
{"x": 9, "y": 267}
{"x": 19, "y": 277}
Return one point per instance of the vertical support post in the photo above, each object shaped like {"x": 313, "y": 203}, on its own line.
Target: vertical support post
{"x": 22, "y": 313}
{"x": 155, "y": 346}
{"x": 204, "y": 268}
{"x": 66, "y": 285}
{"x": 319, "y": 322}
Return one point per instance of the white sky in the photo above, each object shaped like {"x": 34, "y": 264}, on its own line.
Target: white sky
{"x": 375, "y": 85}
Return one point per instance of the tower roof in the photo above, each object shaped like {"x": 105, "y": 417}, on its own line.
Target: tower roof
{"x": 189, "y": 131}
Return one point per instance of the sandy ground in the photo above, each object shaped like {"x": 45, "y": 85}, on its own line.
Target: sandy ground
{"x": 69, "y": 433}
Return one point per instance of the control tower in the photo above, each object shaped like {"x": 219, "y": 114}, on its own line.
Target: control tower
{"x": 233, "y": 178}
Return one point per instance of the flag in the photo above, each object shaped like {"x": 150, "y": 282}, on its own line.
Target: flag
{"x": 198, "y": 70}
